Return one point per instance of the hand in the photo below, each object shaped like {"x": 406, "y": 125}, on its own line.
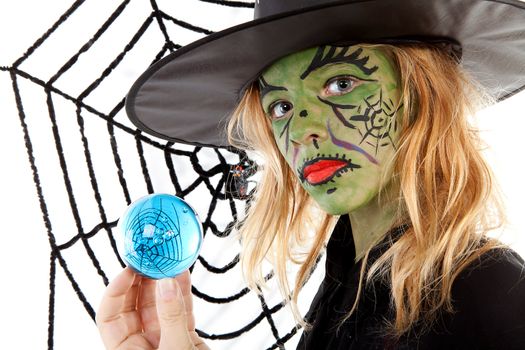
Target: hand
{"x": 139, "y": 313}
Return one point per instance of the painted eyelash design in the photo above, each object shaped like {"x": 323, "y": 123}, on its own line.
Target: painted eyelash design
{"x": 320, "y": 59}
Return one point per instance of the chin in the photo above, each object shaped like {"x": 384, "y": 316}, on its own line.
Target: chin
{"x": 334, "y": 209}
{"x": 343, "y": 204}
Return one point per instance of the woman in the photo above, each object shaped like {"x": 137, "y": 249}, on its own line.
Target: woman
{"x": 378, "y": 132}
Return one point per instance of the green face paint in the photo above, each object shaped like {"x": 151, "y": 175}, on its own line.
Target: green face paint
{"x": 333, "y": 112}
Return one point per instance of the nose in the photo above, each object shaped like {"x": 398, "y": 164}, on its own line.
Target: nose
{"x": 307, "y": 129}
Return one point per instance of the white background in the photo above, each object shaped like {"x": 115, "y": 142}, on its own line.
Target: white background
{"x": 25, "y": 260}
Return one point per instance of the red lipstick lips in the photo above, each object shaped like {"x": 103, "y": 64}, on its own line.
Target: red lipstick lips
{"x": 322, "y": 170}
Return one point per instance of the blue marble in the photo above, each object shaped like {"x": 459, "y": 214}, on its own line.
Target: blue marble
{"x": 161, "y": 236}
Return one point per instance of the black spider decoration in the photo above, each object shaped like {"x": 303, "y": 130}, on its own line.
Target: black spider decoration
{"x": 237, "y": 183}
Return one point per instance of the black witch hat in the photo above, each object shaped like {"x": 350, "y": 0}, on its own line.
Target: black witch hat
{"x": 188, "y": 96}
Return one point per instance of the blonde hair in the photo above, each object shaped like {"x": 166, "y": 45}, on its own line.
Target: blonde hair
{"x": 447, "y": 191}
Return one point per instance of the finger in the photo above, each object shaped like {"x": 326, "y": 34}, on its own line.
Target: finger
{"x": 117, "y": 296}
{"x": 148, "y": 311}
{"x": 184, "y": 281}
{"x": 172, "y": 316}
{"x": 117, "y": 299}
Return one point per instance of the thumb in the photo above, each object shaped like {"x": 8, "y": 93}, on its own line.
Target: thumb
{"x": 172, "y": 316}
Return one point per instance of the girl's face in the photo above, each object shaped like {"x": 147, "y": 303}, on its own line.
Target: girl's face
{"x": 334, "y": 117}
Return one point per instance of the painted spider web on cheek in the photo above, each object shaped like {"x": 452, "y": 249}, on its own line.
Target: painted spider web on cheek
{"x": 379, "y": 120}
{"x": 88, "y": 162}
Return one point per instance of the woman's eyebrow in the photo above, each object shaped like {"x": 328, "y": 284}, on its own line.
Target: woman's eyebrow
{"x": 266, "y": 88}
{"x": 319, "y": 61}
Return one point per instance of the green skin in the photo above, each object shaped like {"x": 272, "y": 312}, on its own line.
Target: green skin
{"x": 344, "y": 110}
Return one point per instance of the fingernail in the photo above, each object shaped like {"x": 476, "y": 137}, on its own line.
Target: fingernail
{"x": 168, "y": 289}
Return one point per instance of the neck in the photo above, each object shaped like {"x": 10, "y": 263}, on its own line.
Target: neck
{"x": 371, "y": 222}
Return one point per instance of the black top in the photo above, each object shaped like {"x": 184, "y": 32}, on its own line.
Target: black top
{"x": 488, "y": 296}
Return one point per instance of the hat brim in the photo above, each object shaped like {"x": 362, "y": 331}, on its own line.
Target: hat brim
{"x": 188, "y": 95}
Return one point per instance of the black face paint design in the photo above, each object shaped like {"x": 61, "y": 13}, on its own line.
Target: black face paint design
{"x": 265, "y": 88}
{"x": 318, "y": 61}
{"x": 378, "y": 119}
{"x": 377, "y": 116}
{"x": 287, "y": 130}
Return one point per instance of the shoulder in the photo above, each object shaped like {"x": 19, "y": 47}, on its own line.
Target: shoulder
{"x": 497, "y": 273}
{"x": 489, "y": 299}
{"x": 502, "y": 264}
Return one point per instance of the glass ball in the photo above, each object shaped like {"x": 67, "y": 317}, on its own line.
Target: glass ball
{"x": 160, "y": 236}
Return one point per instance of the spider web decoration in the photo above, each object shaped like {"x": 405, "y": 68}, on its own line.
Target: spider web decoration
{"x": 88, "y": 162}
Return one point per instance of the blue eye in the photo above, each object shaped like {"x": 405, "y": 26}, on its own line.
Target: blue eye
{"x": 339, "y": 86}
{"x": 279, "y": 109}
